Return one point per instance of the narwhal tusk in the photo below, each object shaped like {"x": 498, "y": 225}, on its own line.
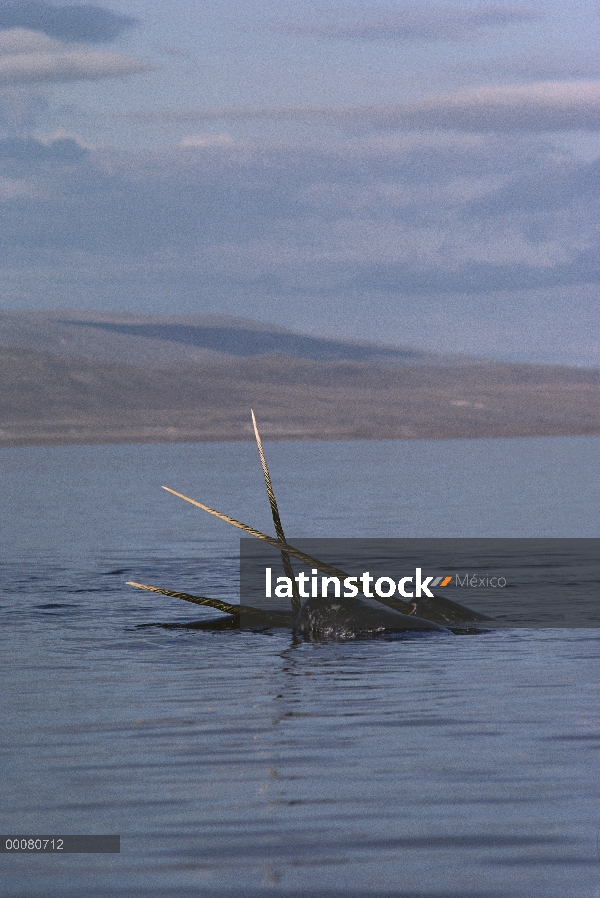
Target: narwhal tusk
{"x": 263, "y": 617}
{"x": 285, "y": 558}
{"x": 402, "y": 607}
{"x": 437, "y": 610}
{"x": 277, "y": 544}
{"x": 197, "y": 600}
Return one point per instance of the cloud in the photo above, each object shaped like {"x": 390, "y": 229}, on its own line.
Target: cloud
{"x": 420, "y": 23}
{"x": 28, "y": 57}
{"x": 85, "y": 23}
{"x": 22, "y": 106}
{"x": 293, "y": 224}
{"x": 343, "y": 235}
{"x": 477, "y": 277}
{"x": 32, "y": 149}
{"x": 541, "y": 192}
{"x": 206, "y": 141}
{"x": 22, "y": 40}
{"x": 16, "y": 188}
{"x": 535, "y": 66}
{"x": 541, "y": 106}
{"x": 535, "y": 107}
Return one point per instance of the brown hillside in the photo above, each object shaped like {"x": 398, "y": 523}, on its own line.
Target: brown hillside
{"x": 49, "y": 400}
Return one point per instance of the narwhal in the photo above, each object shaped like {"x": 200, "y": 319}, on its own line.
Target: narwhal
{"x": 325, "y": 617}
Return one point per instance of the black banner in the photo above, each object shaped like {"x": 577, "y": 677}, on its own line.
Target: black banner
{"x": 504, "y": 582}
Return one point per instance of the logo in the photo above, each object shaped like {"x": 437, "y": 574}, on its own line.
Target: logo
{"x": 411, "y": 587}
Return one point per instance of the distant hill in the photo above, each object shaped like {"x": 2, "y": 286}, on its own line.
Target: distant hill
{"x": 80, "y": 379}
{"x": 151, "y": 340}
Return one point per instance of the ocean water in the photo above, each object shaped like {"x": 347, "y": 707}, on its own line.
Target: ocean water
{"x": 248, "y": 764}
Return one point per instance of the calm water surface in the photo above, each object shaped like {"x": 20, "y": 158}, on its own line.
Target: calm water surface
{"x": 237, "y": 763}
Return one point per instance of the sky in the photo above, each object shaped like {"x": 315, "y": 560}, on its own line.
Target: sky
{"x": 420, "y": 174}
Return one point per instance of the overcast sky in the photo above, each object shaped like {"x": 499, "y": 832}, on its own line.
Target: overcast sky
{"x": 418, "y": 173}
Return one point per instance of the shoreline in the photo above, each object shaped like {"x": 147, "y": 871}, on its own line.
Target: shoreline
{"x": 168, "y": 435}
{"x": 46, "y": 400}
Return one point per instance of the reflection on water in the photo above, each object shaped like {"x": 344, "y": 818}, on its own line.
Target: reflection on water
{"x": 253, "y": 763}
